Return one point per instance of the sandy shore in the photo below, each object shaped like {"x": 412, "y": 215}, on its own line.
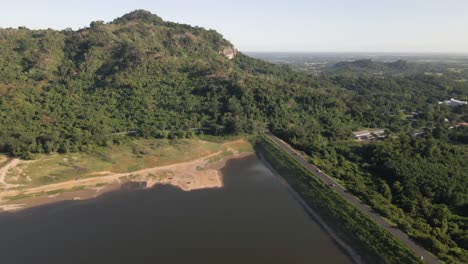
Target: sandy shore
{"x": 197, "y": 174}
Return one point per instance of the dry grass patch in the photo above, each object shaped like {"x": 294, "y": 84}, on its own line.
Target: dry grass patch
{"x": 241, "y": 146}
{"x": 133, "y": 156}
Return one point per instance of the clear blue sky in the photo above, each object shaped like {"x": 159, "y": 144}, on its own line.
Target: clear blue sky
{"x": 286, "y": 25}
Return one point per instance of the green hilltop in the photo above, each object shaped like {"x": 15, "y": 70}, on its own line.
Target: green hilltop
{"x": 71, "y": 90}
{"x": 140, "y": 76}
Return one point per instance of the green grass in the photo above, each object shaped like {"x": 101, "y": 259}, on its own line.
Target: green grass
{"x": 242, "y": 147}
{"x": 223, "y": 154}
{"x": 55, "y": 192}
{"x": 224, "y": 139}
{"x": 22, "y": 196}
{"x": 32, "y": 195}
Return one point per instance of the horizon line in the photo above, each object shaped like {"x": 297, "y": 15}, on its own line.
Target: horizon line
{"x": 465, "y": 53}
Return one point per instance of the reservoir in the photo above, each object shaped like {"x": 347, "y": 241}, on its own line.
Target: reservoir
{"x": 252, "y": 219}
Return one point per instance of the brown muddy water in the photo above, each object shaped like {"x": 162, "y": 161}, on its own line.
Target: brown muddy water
{"x": 253, "y": 219}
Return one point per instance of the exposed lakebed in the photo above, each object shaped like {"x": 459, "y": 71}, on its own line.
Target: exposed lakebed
{"x": 252, "y": 219}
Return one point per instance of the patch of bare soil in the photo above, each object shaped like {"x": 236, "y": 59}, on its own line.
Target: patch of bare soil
{"x": 4, "y": 170}
{"x": 197, "y": 174}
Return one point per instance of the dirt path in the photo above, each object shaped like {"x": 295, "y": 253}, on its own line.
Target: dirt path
{"x": 4, "y": 170}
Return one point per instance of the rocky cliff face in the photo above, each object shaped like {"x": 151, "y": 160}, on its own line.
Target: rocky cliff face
{"x": 229, "y": 53}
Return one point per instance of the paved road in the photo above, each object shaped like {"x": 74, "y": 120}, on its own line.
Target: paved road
{"x": 356, "y": 202}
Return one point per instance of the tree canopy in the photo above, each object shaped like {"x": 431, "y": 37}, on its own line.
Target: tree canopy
{"x": 69, "y": 91}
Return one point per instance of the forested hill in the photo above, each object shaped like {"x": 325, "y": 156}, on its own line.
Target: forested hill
{"x": 71, "y": 90}
{"x": 367, "y": 67}
{"x": 74, "y": 90}
{"x": 371, "y": 66}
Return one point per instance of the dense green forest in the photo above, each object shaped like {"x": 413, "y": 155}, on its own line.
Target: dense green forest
{"x": 69, "y": 91}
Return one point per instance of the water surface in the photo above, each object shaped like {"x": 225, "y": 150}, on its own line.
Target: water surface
{"x": 253, "y": 219}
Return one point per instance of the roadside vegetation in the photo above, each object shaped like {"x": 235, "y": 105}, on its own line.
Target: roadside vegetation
{"x": 418, "y": 184}
{"x": 372, "y": 243}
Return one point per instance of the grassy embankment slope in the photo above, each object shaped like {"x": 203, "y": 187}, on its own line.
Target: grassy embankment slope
{"x": 372, "y": 243}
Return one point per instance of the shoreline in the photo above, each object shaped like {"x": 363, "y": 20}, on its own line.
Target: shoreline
{"x": 180, "y": 171}
{"x": 347, "y": 249}
{"x": 200, "y": 173}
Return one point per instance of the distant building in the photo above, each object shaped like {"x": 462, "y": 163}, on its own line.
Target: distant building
{"x": 452, "y": 102}
{"x": 362, "y": 135}
{"x": 369, "y": 134}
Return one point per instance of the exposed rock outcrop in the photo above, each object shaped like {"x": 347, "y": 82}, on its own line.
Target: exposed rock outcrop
{"x": 229, "y": 53}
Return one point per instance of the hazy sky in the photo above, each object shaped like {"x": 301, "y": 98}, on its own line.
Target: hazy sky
{"x": 288, "y": 25}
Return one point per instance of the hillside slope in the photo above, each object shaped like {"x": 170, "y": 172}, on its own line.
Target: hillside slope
{"x": 141, "y": 76}
{"x": 70, "y": 90}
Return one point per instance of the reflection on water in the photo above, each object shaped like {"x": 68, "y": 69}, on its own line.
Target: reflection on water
{"x": 253, "y": 219}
